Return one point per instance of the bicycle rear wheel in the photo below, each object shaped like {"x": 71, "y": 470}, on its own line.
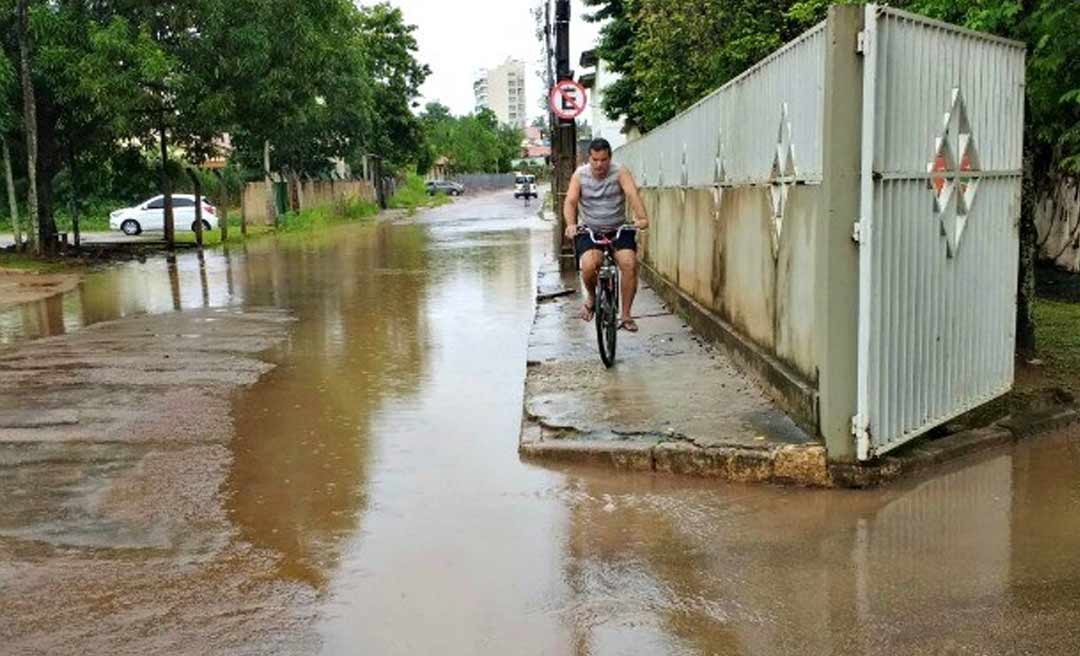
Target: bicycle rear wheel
{"x": 607, "y": 320}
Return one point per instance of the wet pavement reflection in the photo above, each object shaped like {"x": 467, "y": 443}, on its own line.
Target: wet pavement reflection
{"x": 378, "y": 460}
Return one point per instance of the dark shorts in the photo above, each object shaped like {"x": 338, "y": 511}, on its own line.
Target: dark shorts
{"x": 626, "y": 241}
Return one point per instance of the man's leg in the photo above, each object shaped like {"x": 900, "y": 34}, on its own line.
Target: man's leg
{"x": 590, "y": 270}
{"x": 628, "y": 270}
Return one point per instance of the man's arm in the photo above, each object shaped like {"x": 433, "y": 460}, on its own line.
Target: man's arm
{"x": 570, "y": 207}
{"x": 629, "y": 187}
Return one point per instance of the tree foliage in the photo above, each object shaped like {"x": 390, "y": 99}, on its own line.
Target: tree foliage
{"x": 474, "y": 143}
{"x": 318, "y": 79}
{"x": 7, "y": 94}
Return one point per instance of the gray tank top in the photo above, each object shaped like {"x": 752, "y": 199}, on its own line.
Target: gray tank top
{"x": 603, "y": 204}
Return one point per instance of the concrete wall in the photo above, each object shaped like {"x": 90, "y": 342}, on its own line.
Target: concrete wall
{"x": 313, "y": 193}
{"x": 1057, "y": 219}
{"x": 721, "y": 256}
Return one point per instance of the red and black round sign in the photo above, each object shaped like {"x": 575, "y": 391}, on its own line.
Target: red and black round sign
{"x": 567, "y": 99}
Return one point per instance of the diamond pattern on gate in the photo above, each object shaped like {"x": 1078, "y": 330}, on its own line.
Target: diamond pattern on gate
{"x": 782, "y": 176}
{"x": 684, "y": 176}
{"x": 951, "y": 170}
{"x": 719, "y": 175}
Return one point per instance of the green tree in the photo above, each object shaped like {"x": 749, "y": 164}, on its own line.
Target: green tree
{"x": 671, "y": 53}
{"x": 319, "y": 79}
{"x": 473, "y": 143}
{"x": 616, "y": 47}
{"x": 397, "y": 74}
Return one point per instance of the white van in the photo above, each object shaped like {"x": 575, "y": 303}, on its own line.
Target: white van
{"x": 525, "y": 186}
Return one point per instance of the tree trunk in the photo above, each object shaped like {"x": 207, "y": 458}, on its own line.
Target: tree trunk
{"x": 1025, "y": 288}
{"x": 30, "y": 121}
{"x": 73, "y": 170}
{"x": 13, "y": 201}
{"x": 223, "y": 206}
{"x": 166, "y": 187}
{"x": 197, "y": 183}
{"x": 50, "y": 160}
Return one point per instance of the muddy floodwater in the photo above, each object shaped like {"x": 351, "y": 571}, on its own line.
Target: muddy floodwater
{"x": 369, "y": 498}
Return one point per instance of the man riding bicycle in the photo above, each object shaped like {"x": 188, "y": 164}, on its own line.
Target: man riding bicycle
{"x": 602, "y": 188}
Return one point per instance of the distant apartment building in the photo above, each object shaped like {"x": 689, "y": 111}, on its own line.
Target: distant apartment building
{"x": 502, "y": 90}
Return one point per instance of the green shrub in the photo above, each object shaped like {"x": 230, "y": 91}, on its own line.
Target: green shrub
{"x": 321, "y": 217}
{"x": 413, "y": 195}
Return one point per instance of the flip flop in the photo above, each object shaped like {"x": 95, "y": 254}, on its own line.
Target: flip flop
{"x": 629, "y": 325}
{"x": 586, "y": 313}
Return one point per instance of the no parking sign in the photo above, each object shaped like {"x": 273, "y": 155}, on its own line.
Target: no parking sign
{"x": 567, "y": 99}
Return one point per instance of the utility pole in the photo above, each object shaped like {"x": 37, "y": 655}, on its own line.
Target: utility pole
{"x": 564, "y": 142}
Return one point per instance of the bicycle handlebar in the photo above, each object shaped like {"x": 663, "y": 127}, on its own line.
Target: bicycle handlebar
{"x": 592, "y": 234}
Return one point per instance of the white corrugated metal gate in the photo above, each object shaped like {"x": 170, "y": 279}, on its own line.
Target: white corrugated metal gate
{"x": 726, "y": 138}
{"x": 938, "y": 226}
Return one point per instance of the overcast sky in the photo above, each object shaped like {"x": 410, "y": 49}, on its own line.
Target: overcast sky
{"x": 457, "y": 38}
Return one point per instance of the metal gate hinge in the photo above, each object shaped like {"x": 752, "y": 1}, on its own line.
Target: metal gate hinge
{"x": 860, "y": 427}
{"x": 859, "y": 233}
{"x": 860, "y": 43}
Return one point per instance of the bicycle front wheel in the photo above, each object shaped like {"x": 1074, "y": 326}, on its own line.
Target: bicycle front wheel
{"x": 607, "y": 320}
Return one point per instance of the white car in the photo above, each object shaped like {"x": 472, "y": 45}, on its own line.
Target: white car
{"x": 150, "y": 215}
{"x": 525, "y": 186}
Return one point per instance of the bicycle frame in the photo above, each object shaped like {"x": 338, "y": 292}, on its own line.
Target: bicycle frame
{"x": 606, "y": 309}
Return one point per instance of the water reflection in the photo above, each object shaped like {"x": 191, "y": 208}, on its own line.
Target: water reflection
{"x": 303, "y": 437}
{"x": 55, "y": 315}
{"x": 302, "y": 434}
{"x": 681, "y": 568}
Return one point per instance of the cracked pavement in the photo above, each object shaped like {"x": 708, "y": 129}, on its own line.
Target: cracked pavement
{"x": 667, "y": 384}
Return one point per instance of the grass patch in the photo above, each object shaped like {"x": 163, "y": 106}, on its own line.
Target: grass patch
{"x": 413, "y": 195}
{"x": 324, "y": 217}
{"x": 1053, "y": 381}
{"x": 1057, "y": 333}
{"x": 94, "y": 217}
{"x": 31, "y": 264}
{"x": 236, "y": 237}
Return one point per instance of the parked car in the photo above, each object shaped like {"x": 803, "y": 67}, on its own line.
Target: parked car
{"x": 525, "y": 187}
{"x": 444, "y": 186}
{"x": 149, "y": 215}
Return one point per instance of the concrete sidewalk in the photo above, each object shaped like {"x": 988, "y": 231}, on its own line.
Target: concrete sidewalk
{"x": 672, "y": 402}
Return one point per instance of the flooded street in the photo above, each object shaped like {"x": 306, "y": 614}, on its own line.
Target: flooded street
{"x": 374, "y": 501}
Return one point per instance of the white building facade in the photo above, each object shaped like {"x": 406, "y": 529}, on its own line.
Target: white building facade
{"x": 502, "y": 90}
{"x": 596, "y": 82}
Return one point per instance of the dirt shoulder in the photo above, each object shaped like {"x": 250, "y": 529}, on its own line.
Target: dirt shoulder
{"x": 114, "y": 456}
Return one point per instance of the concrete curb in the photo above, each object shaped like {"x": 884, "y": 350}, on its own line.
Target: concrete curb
{"x": 797, "y": 465}
{"x": 800, "y": 465}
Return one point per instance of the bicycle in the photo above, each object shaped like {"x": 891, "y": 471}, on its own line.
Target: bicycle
{"x": 606, "y": 307}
